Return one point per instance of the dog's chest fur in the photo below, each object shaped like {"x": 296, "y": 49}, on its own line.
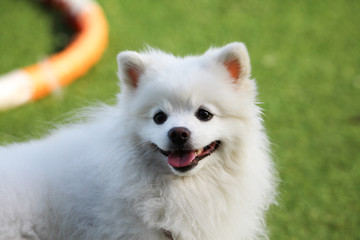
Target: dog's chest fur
{"x": 187, "y": 208}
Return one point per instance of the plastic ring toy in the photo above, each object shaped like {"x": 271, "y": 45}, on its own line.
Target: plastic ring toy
{"x": 36, "y": 81}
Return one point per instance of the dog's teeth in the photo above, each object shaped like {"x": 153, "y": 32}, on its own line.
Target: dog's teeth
{"x": 198, "y": 152}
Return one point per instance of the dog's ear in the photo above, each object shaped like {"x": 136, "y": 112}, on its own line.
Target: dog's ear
{"x": 130, "y": 68}
{"x": 235, "y": 59}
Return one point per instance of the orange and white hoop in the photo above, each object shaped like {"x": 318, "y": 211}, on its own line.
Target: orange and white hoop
{"x": 36, "y": 81}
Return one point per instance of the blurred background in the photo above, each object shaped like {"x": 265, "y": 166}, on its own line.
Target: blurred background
{"x": 306, "y": 60}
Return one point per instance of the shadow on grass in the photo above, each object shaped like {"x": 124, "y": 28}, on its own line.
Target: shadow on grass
{"x": 63, "y": 29}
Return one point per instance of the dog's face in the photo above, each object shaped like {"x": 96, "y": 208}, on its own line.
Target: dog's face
{"x": 186, "y": 110}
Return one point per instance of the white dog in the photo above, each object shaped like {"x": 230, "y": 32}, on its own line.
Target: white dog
{"x": 183, "y": 156}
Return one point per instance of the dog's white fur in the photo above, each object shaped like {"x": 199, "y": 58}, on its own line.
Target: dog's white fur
{"x": 105, "y": 179}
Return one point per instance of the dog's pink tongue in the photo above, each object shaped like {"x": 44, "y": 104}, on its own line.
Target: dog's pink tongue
{"x": 181, "y": 159}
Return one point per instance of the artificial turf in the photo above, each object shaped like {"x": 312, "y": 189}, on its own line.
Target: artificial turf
{"x": 306, "y": 59}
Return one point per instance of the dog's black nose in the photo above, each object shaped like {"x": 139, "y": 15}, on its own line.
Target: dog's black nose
{"x": 179, "y": 135}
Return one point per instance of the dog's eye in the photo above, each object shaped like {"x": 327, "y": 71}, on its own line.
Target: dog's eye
{"x": 203, "y": 115}
{"x": 160, "y": 118}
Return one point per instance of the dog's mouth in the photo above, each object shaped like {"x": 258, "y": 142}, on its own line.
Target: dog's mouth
{"x": 184, "y": 160}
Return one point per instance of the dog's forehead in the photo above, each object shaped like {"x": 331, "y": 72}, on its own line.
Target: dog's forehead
{"x": 188, "y": 75}
{"x": 171, "y": 100}
{"x": 182, "y": 85}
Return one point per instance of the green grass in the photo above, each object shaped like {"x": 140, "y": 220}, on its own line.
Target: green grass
{"x": 305, "y": 57}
